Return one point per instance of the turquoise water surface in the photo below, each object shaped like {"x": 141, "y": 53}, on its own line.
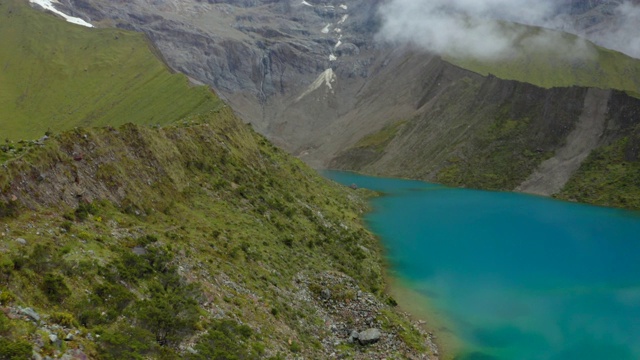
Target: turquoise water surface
{"x": 517, "y": 276}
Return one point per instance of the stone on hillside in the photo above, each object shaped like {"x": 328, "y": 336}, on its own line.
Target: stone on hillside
{"x": 354, "y": 336}
{"x": 21, "y": 241}
{"x": 30, "y": 313}
{"x": 325, "y": 294}
{"x": 139, "y": 250}
{"x": 369, "y": 336}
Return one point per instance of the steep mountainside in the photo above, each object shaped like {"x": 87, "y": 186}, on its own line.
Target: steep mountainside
{"x": 56, "y": 76}
{"x": 197, "y": 240}
{"x": 489, "y": 133}
{"x": 166, "y": 243}
{"x": 311, "y": 77}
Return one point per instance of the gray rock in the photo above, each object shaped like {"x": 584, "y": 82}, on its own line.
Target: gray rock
{"x": 369, "y": 336}
{"x": 30, "y": 313}
{"x": 325, "y": 294}
{"x": 69, "y": 337}
{"x": 354, "y": 336}
{"x": 21, "y": 241}
{"x": 139, "y": 250}
{"x": 53, "y": 338}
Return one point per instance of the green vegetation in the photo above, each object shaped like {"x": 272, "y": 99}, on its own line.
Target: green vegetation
{"x": 610, "y": 176}
{"x": 134, "y": 242}
{"x": 201, "y": 246}
{"x": 57, "y": 75}
{"x": 554, "y": 59}
{"x": 379, "y": 140}
{"x": 504, "y": 155}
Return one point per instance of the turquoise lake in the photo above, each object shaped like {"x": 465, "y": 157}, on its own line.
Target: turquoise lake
{"x": 515, "y": 276}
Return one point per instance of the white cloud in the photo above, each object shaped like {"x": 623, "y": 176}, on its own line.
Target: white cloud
{"x": 471, "y": 27}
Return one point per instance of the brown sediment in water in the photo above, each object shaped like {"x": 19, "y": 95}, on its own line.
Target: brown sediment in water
{"x": 421, "y": 311}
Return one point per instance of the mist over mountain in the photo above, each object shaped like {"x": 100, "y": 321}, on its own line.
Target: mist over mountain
{"x": 469, "y": 28}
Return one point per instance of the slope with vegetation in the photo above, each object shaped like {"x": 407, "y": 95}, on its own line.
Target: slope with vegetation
{"x": 196, "y": 240}
{"x": 199, "y": 240}
{"x": 388, "y": 111}
{"x": 549, "y": 59}
{"x": 486, "y": 132}
{"x": 57, "y": 76}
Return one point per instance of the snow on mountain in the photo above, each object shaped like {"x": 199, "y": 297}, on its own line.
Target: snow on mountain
{"x": 49, "y": 5}
{"x": 326, "y": 78}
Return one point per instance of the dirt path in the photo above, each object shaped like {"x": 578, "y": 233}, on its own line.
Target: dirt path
{"x": 553, "y": 173}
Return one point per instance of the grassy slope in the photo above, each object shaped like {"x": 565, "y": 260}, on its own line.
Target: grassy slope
{"x": 56, "y": 75}
{"x": 610, "y": 176}
{"x": 238, "y": 237}
{"x": 240, "y": 219}
{"x": 557, "y": 66}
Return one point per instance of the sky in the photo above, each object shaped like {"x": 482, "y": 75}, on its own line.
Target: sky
{"x": 468, "y": 27}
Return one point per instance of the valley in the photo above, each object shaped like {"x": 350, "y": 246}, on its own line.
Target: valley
{"x": 315, "y": 79}
{"x": 158, "y": 197}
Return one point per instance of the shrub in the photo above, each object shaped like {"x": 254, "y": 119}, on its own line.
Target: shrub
{"x": 6, "y": 297}
{"x": 66, "y": 225}
{"x": 6, "y": 268}
{"x": 226, "y": 339}
{"x": 125, "y": 343}
{"x": 295, "y": 347}
{"x": 15, "y": 350}
{"x": 170, "y": 314}
{"x": 83, "y": 210}
{"x": 55, "y": 288}
{"x": 8, "y": 209}
{"x": 63, "y": 318}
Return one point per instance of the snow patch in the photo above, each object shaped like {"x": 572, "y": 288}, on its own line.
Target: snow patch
{"x": 338, "y": 30}
{"x": 344, "y": 18}
{"x": 325, "y": 30}
{"x": 326, "y": 78}
{"x": 338, "y": 44}
{"x": 344, "y": 7}
{"x": 333, "y": 57}
{"x": 306, "y": 3}
{"x": 48, "y": 5}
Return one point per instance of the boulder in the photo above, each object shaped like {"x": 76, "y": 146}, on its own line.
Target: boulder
{"x": 325, "y": 294}
{"x": 30, "y": 313}
{"x": 369, "y": 336}
{"x": 353, "y": 337}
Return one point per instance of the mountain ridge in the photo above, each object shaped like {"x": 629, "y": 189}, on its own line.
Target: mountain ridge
{"x": 198, "y": 239}
{"x": 376, "y": 85}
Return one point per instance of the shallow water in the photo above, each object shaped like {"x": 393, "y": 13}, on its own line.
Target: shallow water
{"x": 515, "y": 276}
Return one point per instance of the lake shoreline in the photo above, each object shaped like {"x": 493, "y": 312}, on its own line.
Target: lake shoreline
{"x": 469, "y": 264}
{"x": 412, "y": 304}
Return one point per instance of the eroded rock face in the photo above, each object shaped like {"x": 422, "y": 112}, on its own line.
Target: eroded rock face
{"x": 260, "y": 47}
{"x": 262, "y": 55}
